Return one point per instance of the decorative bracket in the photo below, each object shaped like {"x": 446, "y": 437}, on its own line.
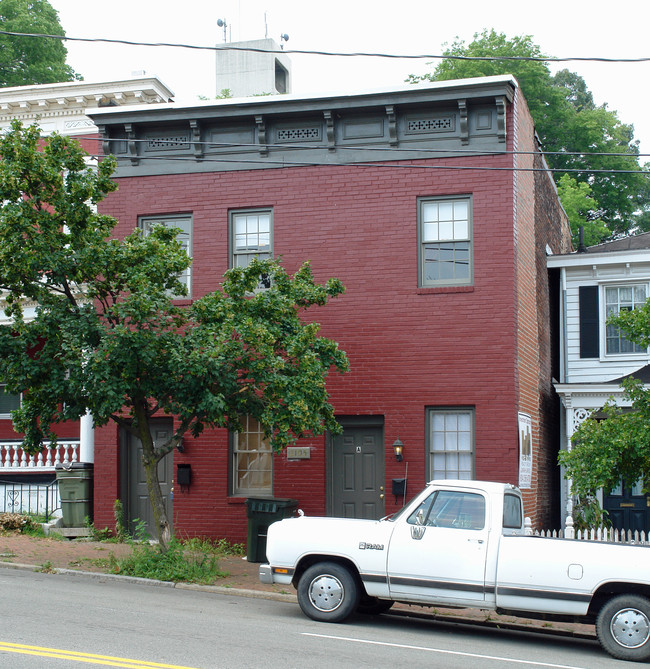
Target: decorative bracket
{"x": 261, "y": 135}
{"x": 329, "y": 123}
{"x": 196, "y": 139}
{"x": 392, "y": 125}
{"x": 131, "y": 143}
{"x": 501, "y": 118}
{"x": 106, "y": 144}
{"x": 464, "y": 126}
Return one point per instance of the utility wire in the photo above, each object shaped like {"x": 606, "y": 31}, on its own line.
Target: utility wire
{"x": 226, "y": 47}
{"x": 401, "y": 165}
{"x": 309, "y": 146}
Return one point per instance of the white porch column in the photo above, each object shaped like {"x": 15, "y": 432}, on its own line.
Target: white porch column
{"x": 87, "y": 438}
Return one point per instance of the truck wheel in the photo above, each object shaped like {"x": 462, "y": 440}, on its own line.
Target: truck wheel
{"x": 623, "y": 627}
{"x": 328, "y": 592}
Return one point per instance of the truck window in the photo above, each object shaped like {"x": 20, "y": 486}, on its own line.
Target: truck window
{"x": 512, "y": 512}
{"x": 450, "y": 508}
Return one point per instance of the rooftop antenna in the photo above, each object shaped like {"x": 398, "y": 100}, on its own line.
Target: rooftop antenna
{"x": 222, "y": 24}
{"x": 283, "y": 38}
{"x": 266, "y": 27}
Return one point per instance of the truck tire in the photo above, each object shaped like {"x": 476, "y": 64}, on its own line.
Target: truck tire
{"x": 328, "y": 592}
{"x": 623, "y": 627}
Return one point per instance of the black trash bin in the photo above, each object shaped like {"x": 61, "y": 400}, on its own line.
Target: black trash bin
{"x": 261, "y": 513}
{"x": 76, "y": 492}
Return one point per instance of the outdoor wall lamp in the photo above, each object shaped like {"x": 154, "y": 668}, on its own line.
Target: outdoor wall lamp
{"x": 398, "y": 446}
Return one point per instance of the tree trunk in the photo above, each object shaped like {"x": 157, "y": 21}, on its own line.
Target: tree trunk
{"x": 150, "y": 460}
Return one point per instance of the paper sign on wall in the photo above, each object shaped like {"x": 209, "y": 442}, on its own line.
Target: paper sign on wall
{"x": 525, "y": 451}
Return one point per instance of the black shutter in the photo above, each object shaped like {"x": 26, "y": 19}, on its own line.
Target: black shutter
{"x": 589, "y": 335}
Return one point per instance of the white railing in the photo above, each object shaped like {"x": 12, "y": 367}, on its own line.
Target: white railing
{"x": 14, "y": 459}
{"x": 608, "y": 535}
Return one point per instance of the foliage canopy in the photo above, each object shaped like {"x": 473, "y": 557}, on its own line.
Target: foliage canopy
{"x": 32, "y": 60}
{"x": 105, "y": 334}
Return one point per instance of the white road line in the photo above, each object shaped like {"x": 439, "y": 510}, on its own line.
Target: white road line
{"x": 443, "y": 652}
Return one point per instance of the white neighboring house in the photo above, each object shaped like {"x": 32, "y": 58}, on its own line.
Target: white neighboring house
{"x": 594, "y": 358}
{"x": 62, "y": 108}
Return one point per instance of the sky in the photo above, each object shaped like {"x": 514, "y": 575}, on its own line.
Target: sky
{"x": 562, "y": 28}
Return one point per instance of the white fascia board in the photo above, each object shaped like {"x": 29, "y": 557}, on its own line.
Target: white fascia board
{"x": 599, "y": 259}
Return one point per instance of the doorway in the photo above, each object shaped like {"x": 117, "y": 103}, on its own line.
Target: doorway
{"x": 137, "y": 507}
{"x": 356, "y": 471}
{"x": 628, "y": 508}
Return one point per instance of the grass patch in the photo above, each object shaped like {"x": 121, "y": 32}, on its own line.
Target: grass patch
{"x": 176, "y": 564}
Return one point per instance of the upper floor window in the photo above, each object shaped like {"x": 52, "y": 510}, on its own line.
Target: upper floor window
{"x": 445, "y": 241}
{"x": 8, "y": 402}
{"x": 450, "y": 437}
{"x": 617, "y": 299}
{"x": 251, "y": 236}
{"x": 251, "y": 460}
{"x": 184, "y": 223}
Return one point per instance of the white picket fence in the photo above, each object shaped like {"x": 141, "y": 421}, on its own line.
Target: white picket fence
{"x": 608, "y": 535}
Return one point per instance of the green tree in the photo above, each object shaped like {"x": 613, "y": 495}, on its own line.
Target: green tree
{"x": 581, "y": 209}
{"x": 32, "y": 60}
{"x": 108, "y": 337}
{"x": 566, "y": 119}
{"x": 615, "y": 445}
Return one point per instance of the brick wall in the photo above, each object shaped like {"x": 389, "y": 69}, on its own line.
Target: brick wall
{"x": 409, "y": 348}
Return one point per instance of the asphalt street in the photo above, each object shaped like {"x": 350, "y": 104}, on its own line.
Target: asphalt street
{"x": 65, "y": 622}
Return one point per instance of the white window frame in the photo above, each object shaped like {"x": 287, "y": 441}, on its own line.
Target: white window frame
{"x": 438, "y": 226}
{"x": 637, "y": 352}
{"x": 4, "y": 393}
{"x": 186, "y": 223}
{"x": 447, "y": 441}
{"x": 252, "y": 431}
{"x": 240, "y": 256}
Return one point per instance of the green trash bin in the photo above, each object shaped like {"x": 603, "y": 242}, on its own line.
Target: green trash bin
{"x": 75, "y": 492}
{"x": 261, "y": 513}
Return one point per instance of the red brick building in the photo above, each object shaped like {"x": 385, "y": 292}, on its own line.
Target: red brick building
{"x": 433, "y": 205}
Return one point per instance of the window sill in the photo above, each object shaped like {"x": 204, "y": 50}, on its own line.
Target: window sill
{"x": 242, "y": 500}
{"x": 428, "y": 290}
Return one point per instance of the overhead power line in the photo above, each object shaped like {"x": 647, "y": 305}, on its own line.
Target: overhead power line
{"x": 343, "y": 54}
{"x": 283, "y": 162}
{"x": 393, "y": 149}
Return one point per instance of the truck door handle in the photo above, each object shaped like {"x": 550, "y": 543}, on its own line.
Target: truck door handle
{"x": 475, "y": 541}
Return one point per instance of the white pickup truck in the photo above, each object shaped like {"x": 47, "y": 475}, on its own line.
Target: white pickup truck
{"x": 462, "y": 544}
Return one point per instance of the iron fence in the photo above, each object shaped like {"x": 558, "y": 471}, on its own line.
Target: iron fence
{"x": 40, "y": 499}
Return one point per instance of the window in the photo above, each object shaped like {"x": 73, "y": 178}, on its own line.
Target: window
{"x": 251, "y": 235}
{"x": 184, "y": 223}
{"x": 252, "y": 460}
{"x": 450, "y": 437}
{"x": 617, "y": 299}
{"x": 512, "y": 512}
{"x": 450, "y": 508}
{"x": 445, "y": 241}
{"x": 8, "y": 402}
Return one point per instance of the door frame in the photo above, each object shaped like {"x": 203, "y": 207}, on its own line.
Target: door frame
{"x": 353, "y": 422}
{"x": 126, "y": 444}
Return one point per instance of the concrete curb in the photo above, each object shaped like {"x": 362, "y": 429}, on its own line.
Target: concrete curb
{"x": 402, "y": 610}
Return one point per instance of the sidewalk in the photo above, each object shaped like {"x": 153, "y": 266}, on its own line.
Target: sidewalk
{"x": 91, "y": 558}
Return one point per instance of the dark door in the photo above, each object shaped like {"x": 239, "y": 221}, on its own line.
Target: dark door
{"x": 356, "y": 472}
{"x": 138, "y": 507}
{"x": 628, "y": 508}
